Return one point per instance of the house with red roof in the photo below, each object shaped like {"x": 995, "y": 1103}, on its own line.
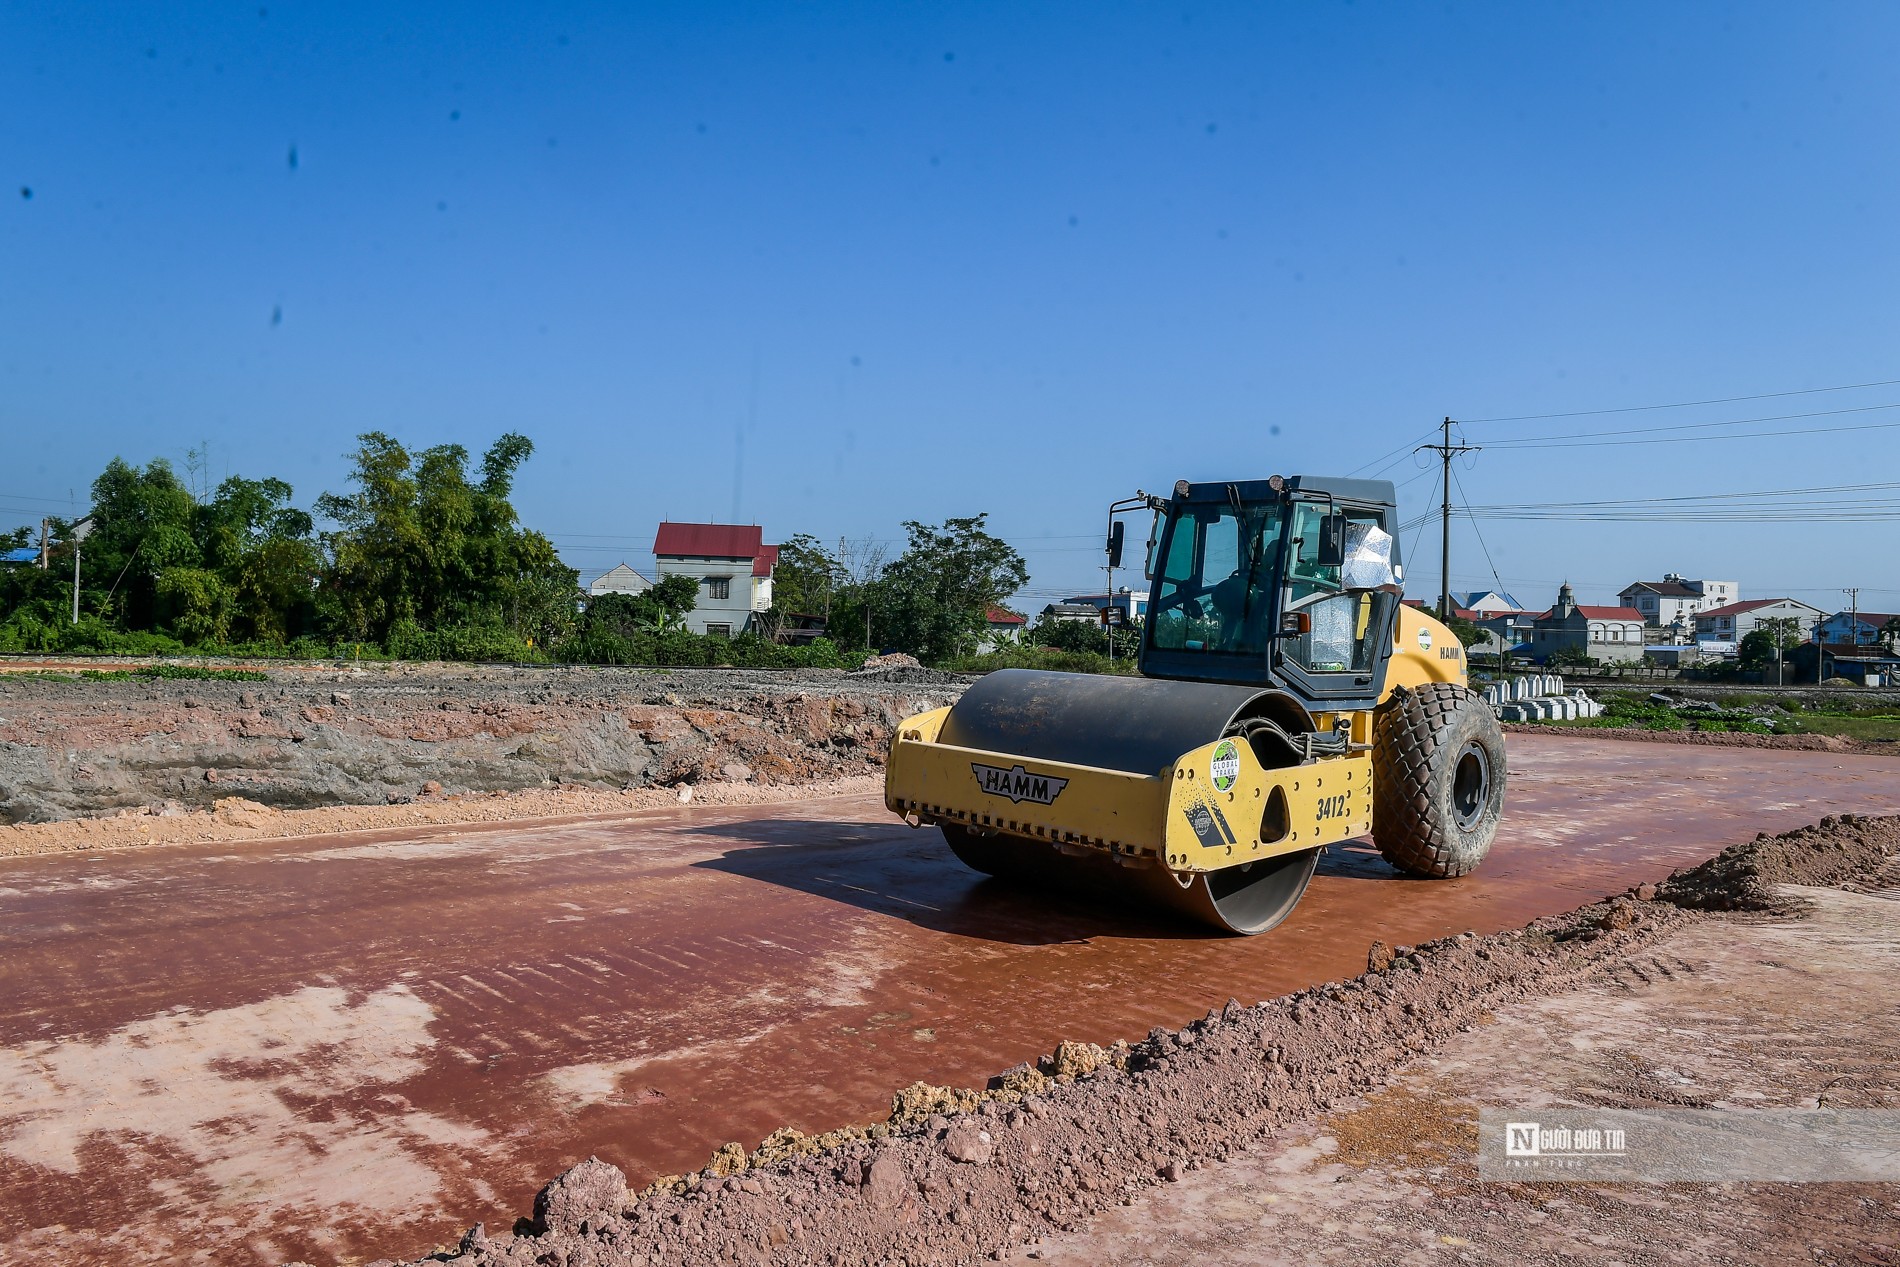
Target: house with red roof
{"x": 1602, "y": 633}
{"x": 1675, "y": 600}
{"x": 732, "y": 565}
{"x": 1005, "y": 628}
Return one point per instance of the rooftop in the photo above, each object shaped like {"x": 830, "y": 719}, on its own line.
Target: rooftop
{"x": 1749, "y": 605}
{"x": 1600, "y": 613}
{"x": 712, "y": 541}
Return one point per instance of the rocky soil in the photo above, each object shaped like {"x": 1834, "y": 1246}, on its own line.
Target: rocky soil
{"x": 72, "y": 748}
{"x": 957, "y": 1176}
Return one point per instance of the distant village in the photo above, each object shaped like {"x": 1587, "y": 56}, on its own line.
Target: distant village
{"x": 1673, "y": 623}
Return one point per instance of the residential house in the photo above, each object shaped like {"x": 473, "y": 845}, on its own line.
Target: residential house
{"x": 1673, "y": 601}
{"x": 1602, "y": 633}
{"x": 1486, "y": 603}
{"x": 1733, "y": 622}
{"x": 1865, "y": 629}
{"x": 732, "y": 565}
{"x": 1511, "y": 631}
{"x": 1134, "y": 606}
{"x": 1863, "y": 665}
{"x": 25, "y": 554}
{"x": 619, "y": 580}
{"x": 1005, "y": 629}
{"x": 1086, "y": 612}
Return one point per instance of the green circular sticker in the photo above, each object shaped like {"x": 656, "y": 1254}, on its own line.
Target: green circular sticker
{"x": 1225, "y": 767}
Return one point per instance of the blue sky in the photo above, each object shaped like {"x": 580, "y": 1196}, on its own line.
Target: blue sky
{"x": 841, "y": 266}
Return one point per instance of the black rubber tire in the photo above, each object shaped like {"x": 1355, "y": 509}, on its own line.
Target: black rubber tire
{"x": 1437, "y": 779}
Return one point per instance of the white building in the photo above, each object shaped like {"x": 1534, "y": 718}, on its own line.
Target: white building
{"x": 1484, "y": 603}
{"x": 1676, "y": 599}
{"x": 732, "y": 565}
{"x": 1134, "y": 606}
{"x": 619, "y": 580}
{"x": 1735, "y": 621}
{"x": 1602, "y": 633}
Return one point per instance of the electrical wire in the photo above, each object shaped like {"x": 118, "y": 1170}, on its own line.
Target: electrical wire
{"x": 1685, "y": 404}
{"x": 1480, "y": 535}
{"x": 1533, "y": 442}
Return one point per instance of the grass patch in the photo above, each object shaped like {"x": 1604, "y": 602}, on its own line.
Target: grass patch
{"x": 1867, "y": 727}
{"x": 174, "y": 673}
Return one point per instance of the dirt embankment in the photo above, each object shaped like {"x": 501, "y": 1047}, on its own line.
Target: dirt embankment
{"x": 957, "y": 1176}
{"x": 77, "y": 748}
{"x": 1707, "y": 739}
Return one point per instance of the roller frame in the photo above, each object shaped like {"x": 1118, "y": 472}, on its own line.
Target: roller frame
{"x": 1138, "y": 819}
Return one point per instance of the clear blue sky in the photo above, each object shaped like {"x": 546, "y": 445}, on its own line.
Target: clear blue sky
{"x": 844, "y": 266}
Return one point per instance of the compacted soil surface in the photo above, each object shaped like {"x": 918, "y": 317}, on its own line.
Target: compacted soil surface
{"x": 73, "y": 748}
{"x": 1339, "y": 1123}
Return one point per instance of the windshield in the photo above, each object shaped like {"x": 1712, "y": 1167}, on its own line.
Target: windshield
{"x": 1219, "y": 567}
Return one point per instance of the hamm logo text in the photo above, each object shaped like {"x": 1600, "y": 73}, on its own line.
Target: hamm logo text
{"x": 1018, "y": 784}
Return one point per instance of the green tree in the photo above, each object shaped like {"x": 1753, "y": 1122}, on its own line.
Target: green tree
{"x": 1067, "y": 635}
{"x": 263, "y": 551}
{"x": 806, "y": 578}
{"x": 145, "y": 522}
{"x": 417, "y": 541}
{"x": 660, "y": 609}
{"x": 197, "y": 605}
{"x": 933, "y": 600}
{"x": 1756, "y": 648}
{"x": 1781, "y": 634}
{"x": 804, "y": 582}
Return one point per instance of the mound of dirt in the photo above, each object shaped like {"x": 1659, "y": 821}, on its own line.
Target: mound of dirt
{"x": 1848, "y": 850}
{"x": 74, "y": 749}
{"x": 898, "y": 667}
{"x": 958, "y": 1175}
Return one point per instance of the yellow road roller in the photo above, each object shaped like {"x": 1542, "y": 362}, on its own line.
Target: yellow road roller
{"x": 1287, "y": 700}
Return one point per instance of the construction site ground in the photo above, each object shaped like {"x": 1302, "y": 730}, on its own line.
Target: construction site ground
{"x": 250, "y": 1047}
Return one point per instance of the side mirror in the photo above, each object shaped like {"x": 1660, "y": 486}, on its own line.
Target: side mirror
{"x": 1332, "y": 541}
{"x": 1115, "y": 533}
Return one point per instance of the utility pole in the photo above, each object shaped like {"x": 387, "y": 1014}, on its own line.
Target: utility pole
{"x": 46, "y": 533}
{"x": 1853, "y": 598}
{"x": 80, "y": 531}
{"x": 1446, "y": 451}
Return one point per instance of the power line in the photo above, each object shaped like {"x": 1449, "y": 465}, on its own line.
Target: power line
{"x": 1752, "y": 435}
{"x": 1685, "y": 404}
{"x": 1539, "y": 441}
{"x": 1480, "y": 535}
{"x": 1405, "y": 450}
